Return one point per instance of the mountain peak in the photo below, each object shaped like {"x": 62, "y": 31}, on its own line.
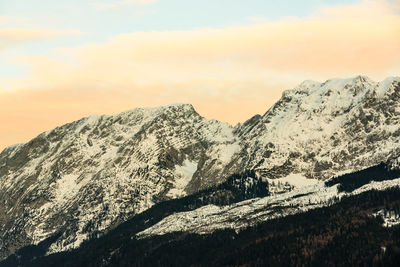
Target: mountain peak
{"x": 154, "y": 111}
{"x": 311, "y": 86}
{"x": 307, "y": 85}
{"x": 104, "y": 169}
{"x": 347, "y": 82}
{"x": 386, "y": 84}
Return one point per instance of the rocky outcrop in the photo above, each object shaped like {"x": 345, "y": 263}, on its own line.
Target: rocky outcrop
{"x": 84, "y": 178}
{"x": 321, "y": 129}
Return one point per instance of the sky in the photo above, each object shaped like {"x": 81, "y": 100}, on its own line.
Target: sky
{"x": 63, "y": 60}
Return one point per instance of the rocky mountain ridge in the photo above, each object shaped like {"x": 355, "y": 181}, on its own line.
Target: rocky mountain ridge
{"x": 86, "y": 177}
{"x": 363, "y": 206}
{"x": 322, "y": 129}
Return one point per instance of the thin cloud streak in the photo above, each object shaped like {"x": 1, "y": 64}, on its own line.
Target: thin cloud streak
{"x": 12, "y": 36}
{"x": 124, "y": 3}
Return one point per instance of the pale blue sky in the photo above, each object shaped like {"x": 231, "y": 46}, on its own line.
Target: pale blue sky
{"x": 159, "y": 16}
{"x": 97, "y": 25}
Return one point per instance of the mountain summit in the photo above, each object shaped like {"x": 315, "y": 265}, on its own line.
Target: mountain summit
{"x": 84, "y": 178}
{"x": 321, "y": 129}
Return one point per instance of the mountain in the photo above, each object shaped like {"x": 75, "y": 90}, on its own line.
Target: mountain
{"x": 81, "y": 180}
{"x": 92, "y": 174}
{"x": 322, "y": 129}
{"x": 238, "y": 216}
{"x": 359, "y": 227}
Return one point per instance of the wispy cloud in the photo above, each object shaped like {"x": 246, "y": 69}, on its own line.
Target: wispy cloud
{"x": 317, "y": 46}
{"x": 259, "y": 20}
{"x": 13, "y": 36}
{"x": 22, "y": 34}
{"x": 363, "y": 9}
{"x": 123, "y": 3}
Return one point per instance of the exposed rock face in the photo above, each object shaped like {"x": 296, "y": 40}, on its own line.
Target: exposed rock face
{"x": 320, "y": 130}
{"x": 85, "y": 177}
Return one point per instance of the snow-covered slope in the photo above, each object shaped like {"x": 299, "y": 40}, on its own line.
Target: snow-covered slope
{"x": 86, "y": 177}
{"x": 321, "y": 129}
{"x": 248, "y": 213}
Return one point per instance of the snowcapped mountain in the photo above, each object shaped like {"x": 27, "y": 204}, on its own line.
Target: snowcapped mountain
{"x": 322, "y": 129}
{"x": 238, "y": 216}
{"x": 92, "y": 174}
{"x": 84, "y": 178}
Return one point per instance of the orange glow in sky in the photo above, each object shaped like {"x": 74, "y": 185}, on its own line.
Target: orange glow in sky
{"x": 228, "y": 73}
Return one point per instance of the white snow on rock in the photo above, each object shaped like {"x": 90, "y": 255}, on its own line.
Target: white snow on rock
{"x": 390, "y": 218}
{"x": 250, "y": 212}
{"x": 386, "y": 85}
{"x": 99, "y": 171}
{"x": 320, "y": 129}
{"x": 184, "y": 176}
{"x": 288, "y": 183}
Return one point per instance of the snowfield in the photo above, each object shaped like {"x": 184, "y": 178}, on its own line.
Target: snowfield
{"x": 209, "y": 218}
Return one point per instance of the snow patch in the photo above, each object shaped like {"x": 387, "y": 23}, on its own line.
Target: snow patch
{"x": 240, "y": 215}
{"x": 390, "y": 218}
{"x": 385, "y": 85}
{"x": 226, "y": 152}
{"x": 67, "y": 187}
{"x": 87, "y": 122}
{"x": 295, "y": 179}
{"x": 183, "y": 177}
